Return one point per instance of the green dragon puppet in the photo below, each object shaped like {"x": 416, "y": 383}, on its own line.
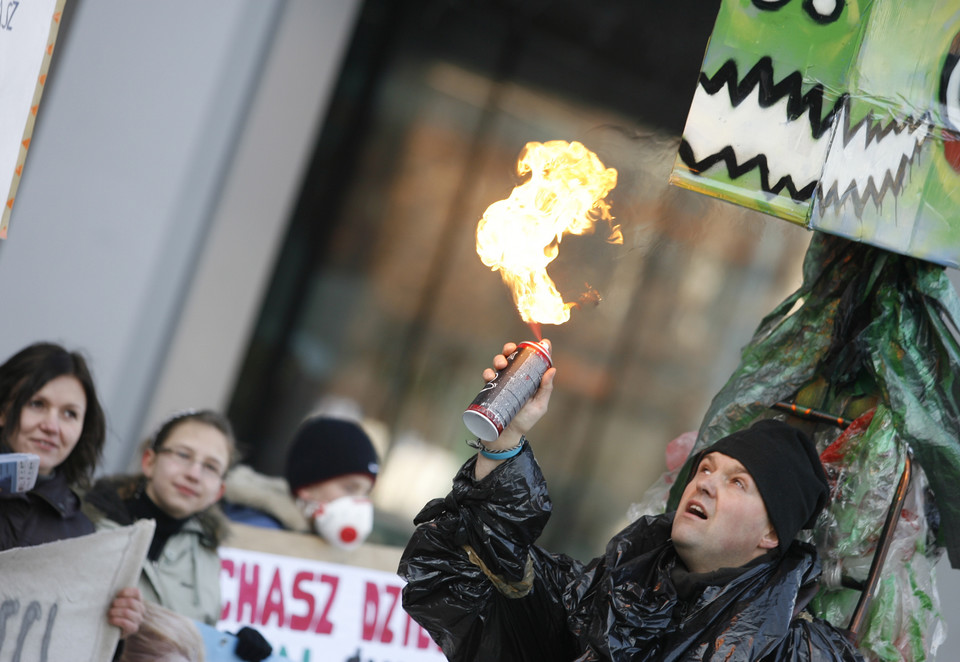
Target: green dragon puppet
{"x": 843, "y": 116}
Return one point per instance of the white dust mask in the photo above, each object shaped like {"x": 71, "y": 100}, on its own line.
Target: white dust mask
{"x": 345, "y": 522}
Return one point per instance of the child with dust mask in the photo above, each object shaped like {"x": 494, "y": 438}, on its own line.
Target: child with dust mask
{"x": 331, "y": 467}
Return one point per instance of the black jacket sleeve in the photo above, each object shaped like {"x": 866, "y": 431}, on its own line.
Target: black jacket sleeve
{"x": 475, "y": 579}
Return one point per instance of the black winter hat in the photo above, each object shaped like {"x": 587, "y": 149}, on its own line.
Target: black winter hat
{"x": 784, "y": 463}
{"x": 326, "y": 448}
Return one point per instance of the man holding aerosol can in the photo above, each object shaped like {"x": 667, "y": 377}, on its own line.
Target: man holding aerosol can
{"x": 722, "y": 578}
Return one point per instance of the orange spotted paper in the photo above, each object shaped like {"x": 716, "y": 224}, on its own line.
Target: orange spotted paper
{"x": 28, "y": 31}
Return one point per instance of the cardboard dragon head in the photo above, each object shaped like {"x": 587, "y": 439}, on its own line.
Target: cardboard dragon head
{"x": 839, "y": 115}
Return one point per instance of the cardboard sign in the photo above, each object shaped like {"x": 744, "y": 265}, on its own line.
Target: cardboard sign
{"x": 54, "y": 597}
{"x": 842, "y": 116}
{"x": 28, "y": 31}
{"x": 314, "y": 610}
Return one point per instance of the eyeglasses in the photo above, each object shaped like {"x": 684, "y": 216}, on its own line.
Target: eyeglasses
{"x": 186, "y": 459}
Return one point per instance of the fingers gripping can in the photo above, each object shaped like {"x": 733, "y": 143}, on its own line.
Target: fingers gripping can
{"x": 502, "y": 397}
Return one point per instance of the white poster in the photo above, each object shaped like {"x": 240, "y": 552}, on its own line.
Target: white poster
{"x": 28, "y": 30}
{"x": 54, "y": 597}
{"x": 313, "y": 611}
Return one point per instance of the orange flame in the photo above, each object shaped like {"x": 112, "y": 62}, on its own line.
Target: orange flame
{"x": 521, "y": 235}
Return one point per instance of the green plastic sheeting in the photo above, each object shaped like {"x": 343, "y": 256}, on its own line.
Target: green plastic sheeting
{"x": 866, "y": 327}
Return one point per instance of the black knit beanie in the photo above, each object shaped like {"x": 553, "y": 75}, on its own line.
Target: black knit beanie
{"x": 784, "y": 463}
{"x": 325, "y": 448}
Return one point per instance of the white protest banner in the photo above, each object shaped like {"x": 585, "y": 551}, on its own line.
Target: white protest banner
{"x": 28, "y": 31}
{"x": 54, "y": 597}
{"x": 315, "y": 611}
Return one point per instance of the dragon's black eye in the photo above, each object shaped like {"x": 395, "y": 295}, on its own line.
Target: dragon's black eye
{"x": 950, "y": 86}
{"x": 822, "y": 11}
{"x": 770, "y": 4}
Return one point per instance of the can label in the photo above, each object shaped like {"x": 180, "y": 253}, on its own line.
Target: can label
{"x": 502, "y": 397}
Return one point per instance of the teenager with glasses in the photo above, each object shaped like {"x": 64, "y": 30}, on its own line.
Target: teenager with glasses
{"x": 183, "y": 468}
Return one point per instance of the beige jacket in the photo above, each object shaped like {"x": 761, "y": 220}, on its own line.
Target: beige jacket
{"x": 186, "y": 577}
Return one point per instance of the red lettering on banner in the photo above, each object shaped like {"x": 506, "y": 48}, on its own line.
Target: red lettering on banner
{"x": 301, "y": 623}
{"x": 277, "y": 610}
{"x": 226, "y": 565}
{"x": 273, "y": 604}
{"x": 424, "y": 640}
{"x": 303, "y": 601}
{"x": 247, "y": 593}
{"x": 324, "y": 626}
{"x": 371, "y": 609}
{"x": 406, "y": 630}
{"x": 386, "y": 634}
{"x": 373, "y": 627}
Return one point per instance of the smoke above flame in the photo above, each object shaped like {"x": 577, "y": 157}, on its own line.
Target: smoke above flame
{"x": 565, "y": 193}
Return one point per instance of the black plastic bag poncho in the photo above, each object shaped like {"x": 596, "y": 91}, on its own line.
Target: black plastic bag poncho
{"x": 482, "y": 588}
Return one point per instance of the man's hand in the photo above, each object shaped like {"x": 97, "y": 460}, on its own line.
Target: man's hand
{"x": 126, "y": 611}
{"x": 536, "y": 407}
{"x": 525, "y": 419}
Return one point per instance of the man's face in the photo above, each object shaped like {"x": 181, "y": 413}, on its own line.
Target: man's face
{"x": 721, "y": 521}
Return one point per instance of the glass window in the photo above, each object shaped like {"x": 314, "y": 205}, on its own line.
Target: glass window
{"x": 380, "y": 307}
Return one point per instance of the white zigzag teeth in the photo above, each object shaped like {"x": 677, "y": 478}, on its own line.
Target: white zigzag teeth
{"x": 789, "y": 146}
{"x": 871, "y": 160}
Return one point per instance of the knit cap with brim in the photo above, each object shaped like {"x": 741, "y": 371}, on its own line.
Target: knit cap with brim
{"x": 325, "y": 448}
{"x": 784, "y": 463}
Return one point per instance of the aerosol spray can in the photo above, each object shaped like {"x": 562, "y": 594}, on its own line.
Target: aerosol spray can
{"x": 500, "y": 400}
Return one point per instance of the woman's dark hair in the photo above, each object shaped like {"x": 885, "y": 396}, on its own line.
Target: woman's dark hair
{"x": 208, "y": 417}
{"x": 28, "y": 371}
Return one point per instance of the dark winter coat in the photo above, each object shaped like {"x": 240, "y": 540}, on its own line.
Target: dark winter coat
{"x": 48, "y": 512}
{"x": 479, "y": 585}
{"x": 186, "y": 576}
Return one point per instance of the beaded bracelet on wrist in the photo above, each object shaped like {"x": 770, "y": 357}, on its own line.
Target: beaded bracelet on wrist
{"x": 505, "y": 454}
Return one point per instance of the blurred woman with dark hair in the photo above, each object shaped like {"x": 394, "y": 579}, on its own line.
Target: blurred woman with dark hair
{"x": 49, "y": 408}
